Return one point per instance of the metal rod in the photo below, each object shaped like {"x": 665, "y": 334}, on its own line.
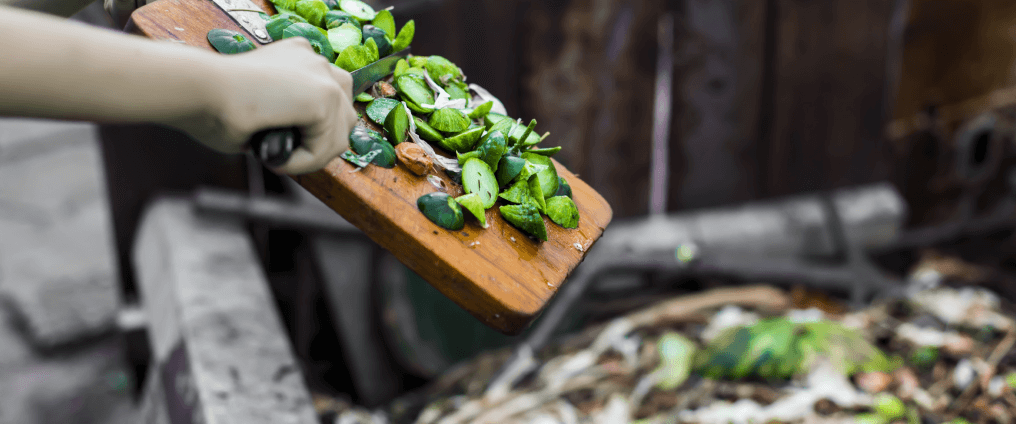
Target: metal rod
{"x": 662, "y": 100}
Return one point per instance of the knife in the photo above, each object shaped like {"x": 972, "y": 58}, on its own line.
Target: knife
{"x": 274, "y": 145}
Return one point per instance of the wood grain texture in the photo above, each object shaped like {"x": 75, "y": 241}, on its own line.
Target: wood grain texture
{"x": 498, "y": 274}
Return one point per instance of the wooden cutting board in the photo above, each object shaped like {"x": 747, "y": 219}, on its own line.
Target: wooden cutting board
{"x": 498, "y": 274}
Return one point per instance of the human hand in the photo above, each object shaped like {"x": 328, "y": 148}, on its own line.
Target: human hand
{"x": 280, "y": 85}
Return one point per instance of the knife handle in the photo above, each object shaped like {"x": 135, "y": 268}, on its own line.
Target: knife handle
{"x": 274, "y": 145}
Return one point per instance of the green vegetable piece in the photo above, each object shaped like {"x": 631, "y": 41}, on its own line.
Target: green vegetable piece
{"x": 563, "y": 188}
{"x": 229, "y": 41}
{"x": 442, "y": 70}
{"x": 343, "y": 37}
{"x": 474, "y": 205}
{"x": 525, "y": 134}
{"x": 456, "y": 176}
{"x": 869, "y": 419}
{"x": 426, "y": 132}
{"x": 386, "y": 22}
{"x": 280, "y": 22}
{"x": 397, "y": 124}
{"x": 530, "y": 169}
{"x": 492, "y": 147}
{"x": 317, "y": 37}
{"x": 449, "y": 120}
{"x": 355, "y": 57}
{"x": 363, "y": 97}
{"x": 676, "y": 356}
{"x": 400, "y": 68}
{"x": 508, "y": 168}
{"x": 457, "y": 90}
{"x": 505, "y": 126}
{"x": 313, "y": 11}
{"x": 405, "y": 37}
{"x": 372, "y": 48}
{"x": 519, "y": 193}
{"x": 362, "y": 140}
{"x": 384, "y": 46}
{"x": 888, "y": 406}
{"x": 1010, "y": 380}
{"x": 414, "y": 89}
{"x": 441, "y": 209}
{"x": 463, "y": 157}
{"x": 547, "y": 176}
{"x": 284, "y": 6}
{"x": 562, "y": 210}
{"x": 358, "y": 9}
{"x": 478, "y": 178}
{"x": 526, "y": 218}
{"x": 378, "y": 109}
{"x": 463, "y": 141}
{"x": 417, "y": 108}
{"x": 332, "y": 4}
{"x": 418, "y": 72}
{"x": 537, "y": 192}
{"x": 547, "y": 151}
{"x": 335, "y": 19}
{"x": 481, "y": 111}
{"x": 360, "y": 160}
{"x": 493, "y": 117}
{"x": 418, "y": 61}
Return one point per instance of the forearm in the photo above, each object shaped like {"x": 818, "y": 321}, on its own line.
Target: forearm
{"x": 51, "y": 68}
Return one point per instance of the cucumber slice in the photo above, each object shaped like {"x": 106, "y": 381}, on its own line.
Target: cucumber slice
{"x": 526, "y": 218}
{"x": 426, "y": 132}
{"x": 449, "y": 120}
{"x": 363, "y": 97}
{"x": 463, "y": 157}
{"x": 361, "y": 140}
{"x": 546, "y": 151}
{"x": 508, "y": 168}
{"x": 463, "y": 141}
{"x": 478, "y": 178}
{"x": 343, "y": 36}
{"x": 358, "y": 9}
{"x": 563, "y": 189}
{"x": 397, "y": 124}
{"x": 384, "y": 46}
{"x": 441, "y": 209}
{"x": 492, "y": 118}
{"x": 518, "y": 193}
{"x": 481, "y": 111}
{"x": 474, "y": 205}
{"x": 414, "y": 89}
{"x": 548, "y": 176}
{"x": 378, "y": 109}
{"x": 537, "y": 192}
{"x": 563, "y": 212}
{"x": 492, "y": 148}
{"x": 386, "y": 22}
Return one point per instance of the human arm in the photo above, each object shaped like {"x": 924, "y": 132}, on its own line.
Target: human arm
{"x": 56, "y": 69}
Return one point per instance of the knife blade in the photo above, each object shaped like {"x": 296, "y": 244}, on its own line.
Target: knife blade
{"x": 274, "y": 145}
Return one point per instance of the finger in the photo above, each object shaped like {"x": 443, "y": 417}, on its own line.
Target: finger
{"x": 345, "y": 80}
{"x": 294, "y": 42}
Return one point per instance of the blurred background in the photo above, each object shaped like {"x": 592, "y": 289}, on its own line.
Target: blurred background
{"x": 838, "y": 151}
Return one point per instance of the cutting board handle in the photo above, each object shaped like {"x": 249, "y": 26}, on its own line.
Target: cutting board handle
{"x": 274, "y": 145}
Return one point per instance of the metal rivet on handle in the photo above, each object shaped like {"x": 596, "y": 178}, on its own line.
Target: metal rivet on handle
{"x": 260, "y": 33}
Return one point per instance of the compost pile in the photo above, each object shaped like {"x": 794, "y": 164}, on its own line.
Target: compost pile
{"x": 756, "y": 355}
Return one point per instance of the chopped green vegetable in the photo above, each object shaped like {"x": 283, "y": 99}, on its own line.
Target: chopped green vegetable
{"x": 372, "y": 48}
{"x": 474, "y": 205}
{"x": 405, "y": 37}
{"x": 463, "y": 157}
{"x": 442, "y": 70}
{"x": 519, "y": 193}
{"x": 229, "y": 42}
{"x": 386, "y": 22}
{"x": 371, "y": 32}
{"x": 358, "y": 9}
{"x": 492, "y": 147}
{"x": 508, "y": 168}
{"x": 562, "y": 210}
{"x": 457, "y": 90}
{"x": 889, "y": 406}
{"x": 676, "y": 355}
{"x": 335, "y": 19}
{"x": 418, "y": 61}
{"x": 563, "y": 189}
{"x": 481, "y": 111}
{"x": 280, "y": 22}
{"x": 355, "y": 57}
{"x": 396, "y": 124}
{"x": 378, "y": 109}
{"x": 313, "y": 11}
{"x": 442, "y": 210}
{"x": 548, "y": 176}
{"x": 360, "y": 160}
{"x": 492, "y": 118}
{"x": 344, "y": 36}
{"x": 526, "y": 218}
{"x": 537, "y": 192}
{"x": 362, "y": 139}
{"x": 463, "y": 141}
{"x": 448, "y": 120}
{"x": 426, "y": 132}
{"x": 363, "y": 97}
{"x": 478, "y": 178}
{"x": 317, "y": 37}
{"x": 284, "y": 5}
{"x": 547, "y": 151}
{"x": 400, "y": 68}
{"x": 414, "y": 89}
